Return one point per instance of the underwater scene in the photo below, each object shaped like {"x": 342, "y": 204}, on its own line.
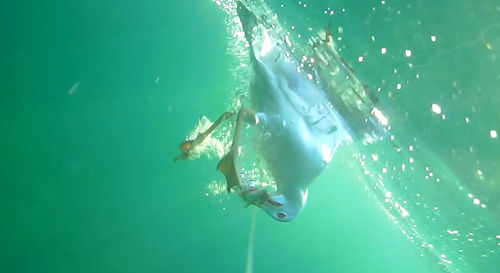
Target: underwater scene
{"x": 250, "y": 136}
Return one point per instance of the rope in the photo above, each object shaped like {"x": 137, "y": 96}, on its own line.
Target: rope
{"x": 249, "y": 266}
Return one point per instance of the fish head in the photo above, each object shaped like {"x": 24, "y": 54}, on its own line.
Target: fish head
{"x": 285, "y": 207}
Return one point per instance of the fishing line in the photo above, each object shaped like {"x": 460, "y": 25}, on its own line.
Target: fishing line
{"x": 249, "y": 267}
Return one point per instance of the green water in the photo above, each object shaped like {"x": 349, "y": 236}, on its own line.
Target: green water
{"x": 96, "y": 95}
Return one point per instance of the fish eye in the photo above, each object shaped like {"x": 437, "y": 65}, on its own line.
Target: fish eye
{"x": 281, "y": 215}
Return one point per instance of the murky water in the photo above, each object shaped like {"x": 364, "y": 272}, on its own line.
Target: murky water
{"x": 95, "y": 98}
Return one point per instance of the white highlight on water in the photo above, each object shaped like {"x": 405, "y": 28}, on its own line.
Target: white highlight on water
{"x": 436, "y": 108}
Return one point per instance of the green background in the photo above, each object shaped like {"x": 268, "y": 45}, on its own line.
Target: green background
{"x": 87, "y": 182}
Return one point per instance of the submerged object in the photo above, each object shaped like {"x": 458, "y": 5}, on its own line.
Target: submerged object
{"x": 300, "y": 119}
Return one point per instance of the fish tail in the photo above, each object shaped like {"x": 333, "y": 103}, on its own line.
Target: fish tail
{"x": 248, "y": 21}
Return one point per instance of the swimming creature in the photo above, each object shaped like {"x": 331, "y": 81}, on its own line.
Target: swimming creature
{"x": 298, "y": 126}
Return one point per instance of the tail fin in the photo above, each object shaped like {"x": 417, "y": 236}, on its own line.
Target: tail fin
{"x": 248, "y": 21}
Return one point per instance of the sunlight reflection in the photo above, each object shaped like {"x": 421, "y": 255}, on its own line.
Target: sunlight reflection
{"x": 436, "y": 108}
